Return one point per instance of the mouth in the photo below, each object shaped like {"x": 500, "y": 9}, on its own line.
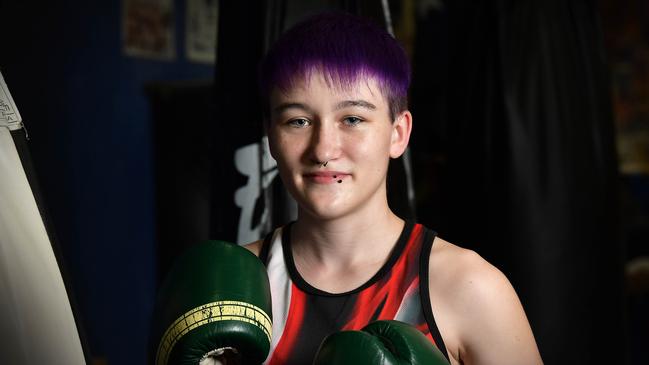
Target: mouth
{"x": 327, "y": 177}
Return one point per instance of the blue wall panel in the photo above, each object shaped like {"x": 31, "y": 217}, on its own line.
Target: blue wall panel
{"x": 84, "y": 106}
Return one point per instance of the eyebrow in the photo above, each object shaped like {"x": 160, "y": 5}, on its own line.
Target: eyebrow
{"x": 285, "y": 106}
{"x": 342, "y": 105}
{"x": 355, "y": 103}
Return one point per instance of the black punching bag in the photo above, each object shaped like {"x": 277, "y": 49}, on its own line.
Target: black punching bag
{"x": 530, "y": 174}
{"x": 242, "y": 169}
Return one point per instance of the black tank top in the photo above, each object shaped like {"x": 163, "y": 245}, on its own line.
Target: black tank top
{"x": 303, "y": 315}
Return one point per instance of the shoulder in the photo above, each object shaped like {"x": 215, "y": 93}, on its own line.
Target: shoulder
{"x": 462, "y": 279}
{"x": 257, "y": 246}
{"x": 453, "y": 267}
{"x": 254, "y": 247}
{"x": 478, "y": 308}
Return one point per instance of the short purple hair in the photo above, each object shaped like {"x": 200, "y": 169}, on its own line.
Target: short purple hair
{"x": 342, "y": 46}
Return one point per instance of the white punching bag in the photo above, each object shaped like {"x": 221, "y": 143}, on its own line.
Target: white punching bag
{"x": 36, "y": 319}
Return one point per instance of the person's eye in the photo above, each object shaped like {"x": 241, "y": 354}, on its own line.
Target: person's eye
{"x": 352, "y": 121}
{"x": 299, "y": 122}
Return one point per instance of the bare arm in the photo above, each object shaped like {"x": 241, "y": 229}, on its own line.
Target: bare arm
{"x": 483, "y": 313}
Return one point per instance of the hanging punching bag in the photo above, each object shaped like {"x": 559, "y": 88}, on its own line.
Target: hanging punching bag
{"x": 36, "y": 317}
{"x": 530, "y": 179}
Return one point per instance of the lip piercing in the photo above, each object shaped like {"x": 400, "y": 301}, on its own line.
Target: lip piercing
{"x": 324, "y": 164}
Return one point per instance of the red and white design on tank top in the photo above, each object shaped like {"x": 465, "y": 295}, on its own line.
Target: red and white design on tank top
{"x": 303, "y": 315}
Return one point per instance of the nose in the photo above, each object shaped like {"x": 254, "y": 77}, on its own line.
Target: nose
{"x": 325, "y": 143}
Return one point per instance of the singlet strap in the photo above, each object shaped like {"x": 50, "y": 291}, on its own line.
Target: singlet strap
{"x": 265, "y": 247}
{"x": 424, "y": 263}
{"x": 297, "y": 279}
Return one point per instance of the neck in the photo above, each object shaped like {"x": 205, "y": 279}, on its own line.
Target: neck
{"x": 345, "y": 241}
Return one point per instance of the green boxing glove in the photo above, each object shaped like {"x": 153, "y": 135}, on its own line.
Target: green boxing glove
{"x": 380, "y": 342}
{"x": 214, "y": 307}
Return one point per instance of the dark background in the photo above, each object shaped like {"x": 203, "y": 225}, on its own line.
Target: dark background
{"x": 89, "y": 121}
{"x": 516, "y": 107}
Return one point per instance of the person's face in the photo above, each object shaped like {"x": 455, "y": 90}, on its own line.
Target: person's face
{"x": 349, "y": 130}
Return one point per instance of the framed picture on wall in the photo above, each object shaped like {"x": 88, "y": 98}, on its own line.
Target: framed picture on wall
{"x": 148, "y": 29}
{"x": 201, "y": 30}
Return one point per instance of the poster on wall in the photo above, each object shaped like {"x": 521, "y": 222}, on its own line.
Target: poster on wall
{"x": 148, "y": 29}
{"x": 201, "y": 34}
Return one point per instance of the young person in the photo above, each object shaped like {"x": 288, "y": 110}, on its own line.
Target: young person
{"x": 335, "y": 88}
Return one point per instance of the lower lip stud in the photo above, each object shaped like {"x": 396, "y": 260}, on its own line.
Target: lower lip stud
{"x": 339, "y": 181}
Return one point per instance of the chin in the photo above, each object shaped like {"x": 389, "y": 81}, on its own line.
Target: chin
{"x": 324, "y": 216}
{"x": 324, "y": 211}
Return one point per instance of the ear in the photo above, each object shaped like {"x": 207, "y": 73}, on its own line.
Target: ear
{"x": 401, "y": 128}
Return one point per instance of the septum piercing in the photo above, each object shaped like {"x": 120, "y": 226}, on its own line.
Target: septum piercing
{"x": 324, "y": 164}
